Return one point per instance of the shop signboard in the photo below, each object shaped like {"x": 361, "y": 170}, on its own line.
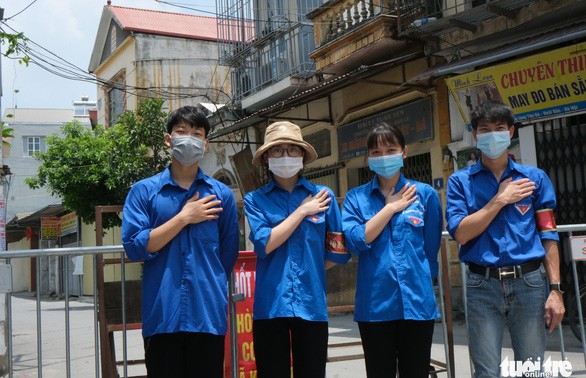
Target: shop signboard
{"x": 546, "y": 85}
{"x": 414, "y": 119}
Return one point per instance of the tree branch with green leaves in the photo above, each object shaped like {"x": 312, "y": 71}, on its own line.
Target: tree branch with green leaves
{"x": 88, "y": 168}
{"x": 15, "y": 45}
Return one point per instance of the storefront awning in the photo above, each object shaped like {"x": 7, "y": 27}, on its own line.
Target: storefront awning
{"x": 516, "y": 49}
{"x": 318, "y": 91}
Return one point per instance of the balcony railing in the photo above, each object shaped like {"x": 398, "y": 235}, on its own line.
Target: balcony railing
{"x": 338, "y": 18}
{"x": 335, "y": 19}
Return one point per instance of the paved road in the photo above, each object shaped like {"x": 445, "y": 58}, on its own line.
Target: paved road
{"x": 342, "y": 330}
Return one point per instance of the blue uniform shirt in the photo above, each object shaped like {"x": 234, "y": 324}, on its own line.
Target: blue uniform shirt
{"x": 185, "y": 283}
{"x": 394, "y": 271}
{"x": 291, "y": 281}
{"x": 513, "y": 237}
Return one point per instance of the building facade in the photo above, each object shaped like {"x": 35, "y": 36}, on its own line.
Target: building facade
{"x": 404, "y": 62}
{"x": 26, "y": 208}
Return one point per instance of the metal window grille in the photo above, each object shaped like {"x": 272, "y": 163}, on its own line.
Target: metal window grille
{"x": 561, "y": 152}
{"x": 560, "y": 146}
{"x": 327, "y": 177}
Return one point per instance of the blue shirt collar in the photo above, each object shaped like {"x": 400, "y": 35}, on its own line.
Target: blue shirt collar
{"x": 512, "y": 166}
{"x": 272, "y": 184}
{"x": 400, "y": 184}
{"x": 167, "y": 179}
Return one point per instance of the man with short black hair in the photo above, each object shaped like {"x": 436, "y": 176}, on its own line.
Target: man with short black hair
{"x": 501, "y": 213}
{"x": 184, "y": 225}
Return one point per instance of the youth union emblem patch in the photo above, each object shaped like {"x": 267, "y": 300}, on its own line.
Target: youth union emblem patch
{"x": 415, "y": 220}
{"x": 523, "y": 209}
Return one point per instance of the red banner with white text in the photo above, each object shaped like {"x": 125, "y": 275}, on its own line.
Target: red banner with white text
{"x": 244, "y": 280}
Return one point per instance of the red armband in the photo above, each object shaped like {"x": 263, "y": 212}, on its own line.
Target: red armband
{"x": 335, "y": 242}
{"x": 545, "y": 220}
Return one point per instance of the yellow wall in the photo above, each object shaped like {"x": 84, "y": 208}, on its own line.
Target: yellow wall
{"x": 21, "y": 272}
{"x": 133, "y": 271}
{"x": 121, "y": 61}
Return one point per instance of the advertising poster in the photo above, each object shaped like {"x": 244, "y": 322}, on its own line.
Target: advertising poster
{"x": 540, "y": 86}
{"x": 244, "y": 279}
{"x": 50, "y": 228}
{"x": 68, "y": 224}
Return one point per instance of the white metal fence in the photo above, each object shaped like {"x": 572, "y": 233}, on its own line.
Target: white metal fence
{"x": 54, "y": 348}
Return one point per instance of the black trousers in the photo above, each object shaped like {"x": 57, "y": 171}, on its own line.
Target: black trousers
{"x": 406, "y": 343}
{"x": 276, "y": 340}
{"x": 184, "y": 354}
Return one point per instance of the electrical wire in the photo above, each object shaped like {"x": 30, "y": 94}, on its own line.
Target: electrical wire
{"x": 180, "y": 5}
{"x": 17, "y": 13}
{"x": 59, "y": 66}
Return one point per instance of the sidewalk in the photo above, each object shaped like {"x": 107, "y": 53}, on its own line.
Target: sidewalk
{"x": 342, "y": 330}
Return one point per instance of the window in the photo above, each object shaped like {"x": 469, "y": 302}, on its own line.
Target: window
{"x": 113, "y": 41}
{"x": 81, "y": 111}
{"x": 116, "y": 102}
{"x": 225, "y": 177}
{"x": 327, "y": 177}
{"x": 33, "y": 144}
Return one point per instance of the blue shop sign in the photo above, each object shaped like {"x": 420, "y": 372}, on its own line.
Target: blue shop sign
{"x": 414, "y": 119}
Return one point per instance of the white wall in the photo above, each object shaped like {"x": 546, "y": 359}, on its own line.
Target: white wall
{"x": 29, "y": 122}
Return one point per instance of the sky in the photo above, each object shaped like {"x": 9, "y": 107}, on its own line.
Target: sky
{"x": 67, "y": 29}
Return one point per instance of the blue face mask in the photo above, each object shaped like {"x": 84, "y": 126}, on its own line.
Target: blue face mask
{"x": 494, "y": 143}
{"x": 386, "y": 166}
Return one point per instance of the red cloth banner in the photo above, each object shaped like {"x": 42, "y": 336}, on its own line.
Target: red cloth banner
{"x": 244, "y": 280}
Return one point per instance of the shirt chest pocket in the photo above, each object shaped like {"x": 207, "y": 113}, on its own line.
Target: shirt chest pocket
{"x": 317, "y": 219}
{"x": 414, "y": 220}
{"x": 206, "y": 232}
{"x": 522, "y": 214}
{"x": 274, "y": 219}
{"x": 413, "y": 215}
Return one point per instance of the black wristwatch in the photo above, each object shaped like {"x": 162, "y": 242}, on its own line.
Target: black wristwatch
{"x": 556, "y": 287}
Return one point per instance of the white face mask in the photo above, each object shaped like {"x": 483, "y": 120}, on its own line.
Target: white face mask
{"x": 187, "y": 149}
{"x": 285, "y": 167}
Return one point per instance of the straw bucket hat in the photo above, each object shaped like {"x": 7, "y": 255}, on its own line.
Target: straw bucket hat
{"x": 284, "y": 133}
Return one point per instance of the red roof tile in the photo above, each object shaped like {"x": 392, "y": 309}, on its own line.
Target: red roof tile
{"x": 166, "y": 23}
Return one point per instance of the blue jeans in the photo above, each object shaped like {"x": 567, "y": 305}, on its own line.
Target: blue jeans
{"x": 492, "y": 303}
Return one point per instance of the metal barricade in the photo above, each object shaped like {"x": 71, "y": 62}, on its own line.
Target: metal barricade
{"x": 8, "y": 256}
{"x": 59, "y": 252}
{"x": 570, "y": 229}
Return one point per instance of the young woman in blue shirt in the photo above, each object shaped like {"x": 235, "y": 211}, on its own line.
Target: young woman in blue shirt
{"x": 296, "y": 230}
{"x": 394, "y": 227}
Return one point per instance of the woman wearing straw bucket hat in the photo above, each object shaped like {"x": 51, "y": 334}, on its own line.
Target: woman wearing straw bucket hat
{"x": 297, "y": 234}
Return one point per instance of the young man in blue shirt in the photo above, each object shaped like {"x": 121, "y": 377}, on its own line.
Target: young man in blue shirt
{"x": 184, "y": 225}
{"x": 501, "y": 214}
